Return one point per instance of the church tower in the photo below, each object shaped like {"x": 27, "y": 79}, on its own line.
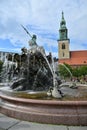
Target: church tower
{"x": 63, "y": 42}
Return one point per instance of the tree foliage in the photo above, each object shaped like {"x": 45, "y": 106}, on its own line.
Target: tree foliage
{"x": 80, "y": 71}
{"x": 76, "y": 72}
{"x": 65, "y": 70}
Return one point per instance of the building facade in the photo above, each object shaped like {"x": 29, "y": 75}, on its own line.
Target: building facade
{"x": 73, "y": 58}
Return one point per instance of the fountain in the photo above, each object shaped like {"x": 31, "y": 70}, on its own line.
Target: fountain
{"x": 36, "y": 93}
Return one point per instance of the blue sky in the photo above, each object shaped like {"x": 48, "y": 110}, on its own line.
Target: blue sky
{"x": 42, "y": 17}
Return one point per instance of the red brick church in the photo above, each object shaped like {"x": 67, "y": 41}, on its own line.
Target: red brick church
{"x": 73, "y": 58}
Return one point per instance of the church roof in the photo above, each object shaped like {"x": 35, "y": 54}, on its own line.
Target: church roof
{"x": 77, "y": 58}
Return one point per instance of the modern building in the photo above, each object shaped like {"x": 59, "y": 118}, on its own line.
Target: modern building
{"x": 73, "y": 58}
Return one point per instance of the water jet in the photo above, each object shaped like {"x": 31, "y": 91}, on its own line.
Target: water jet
{"x": 27, "y": 97}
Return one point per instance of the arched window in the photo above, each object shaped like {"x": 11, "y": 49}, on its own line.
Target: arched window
{"x": 63, "y": 46}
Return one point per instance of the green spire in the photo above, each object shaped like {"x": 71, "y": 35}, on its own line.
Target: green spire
{"x": 63, "y": 22}
{"x": 62, "y": 15}
{"x": 63, "y": 32}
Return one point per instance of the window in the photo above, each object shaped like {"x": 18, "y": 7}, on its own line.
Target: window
{"x": 63, "y": 54}
{"x": 63, "y": 46}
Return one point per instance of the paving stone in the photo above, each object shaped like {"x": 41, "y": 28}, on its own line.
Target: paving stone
{"x": 2, "y": 129}
{"x": 77, "y": 128}
{"x": 60, "y": 127}
{"x": 7, "y": 122}
{"x": 36, "y": 126}
{"x": 2, "y": 115}
{"x": 47, "y": 126}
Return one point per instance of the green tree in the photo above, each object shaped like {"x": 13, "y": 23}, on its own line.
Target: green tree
{"x": 65, "y": 70}
{"x": 76, "y": 72}
{"x": 83, "y": 70}
{"x": 80, "y": 71}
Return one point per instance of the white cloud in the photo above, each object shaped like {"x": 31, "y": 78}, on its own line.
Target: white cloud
{"x": 42, "y": 17}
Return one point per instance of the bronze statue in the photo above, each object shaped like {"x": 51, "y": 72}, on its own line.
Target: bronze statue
{"x": 32, "y": 42}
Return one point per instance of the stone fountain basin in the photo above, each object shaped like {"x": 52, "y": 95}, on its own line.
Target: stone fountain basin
{"x": 23, "y": 94}
{"x": 44, "y": 111}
